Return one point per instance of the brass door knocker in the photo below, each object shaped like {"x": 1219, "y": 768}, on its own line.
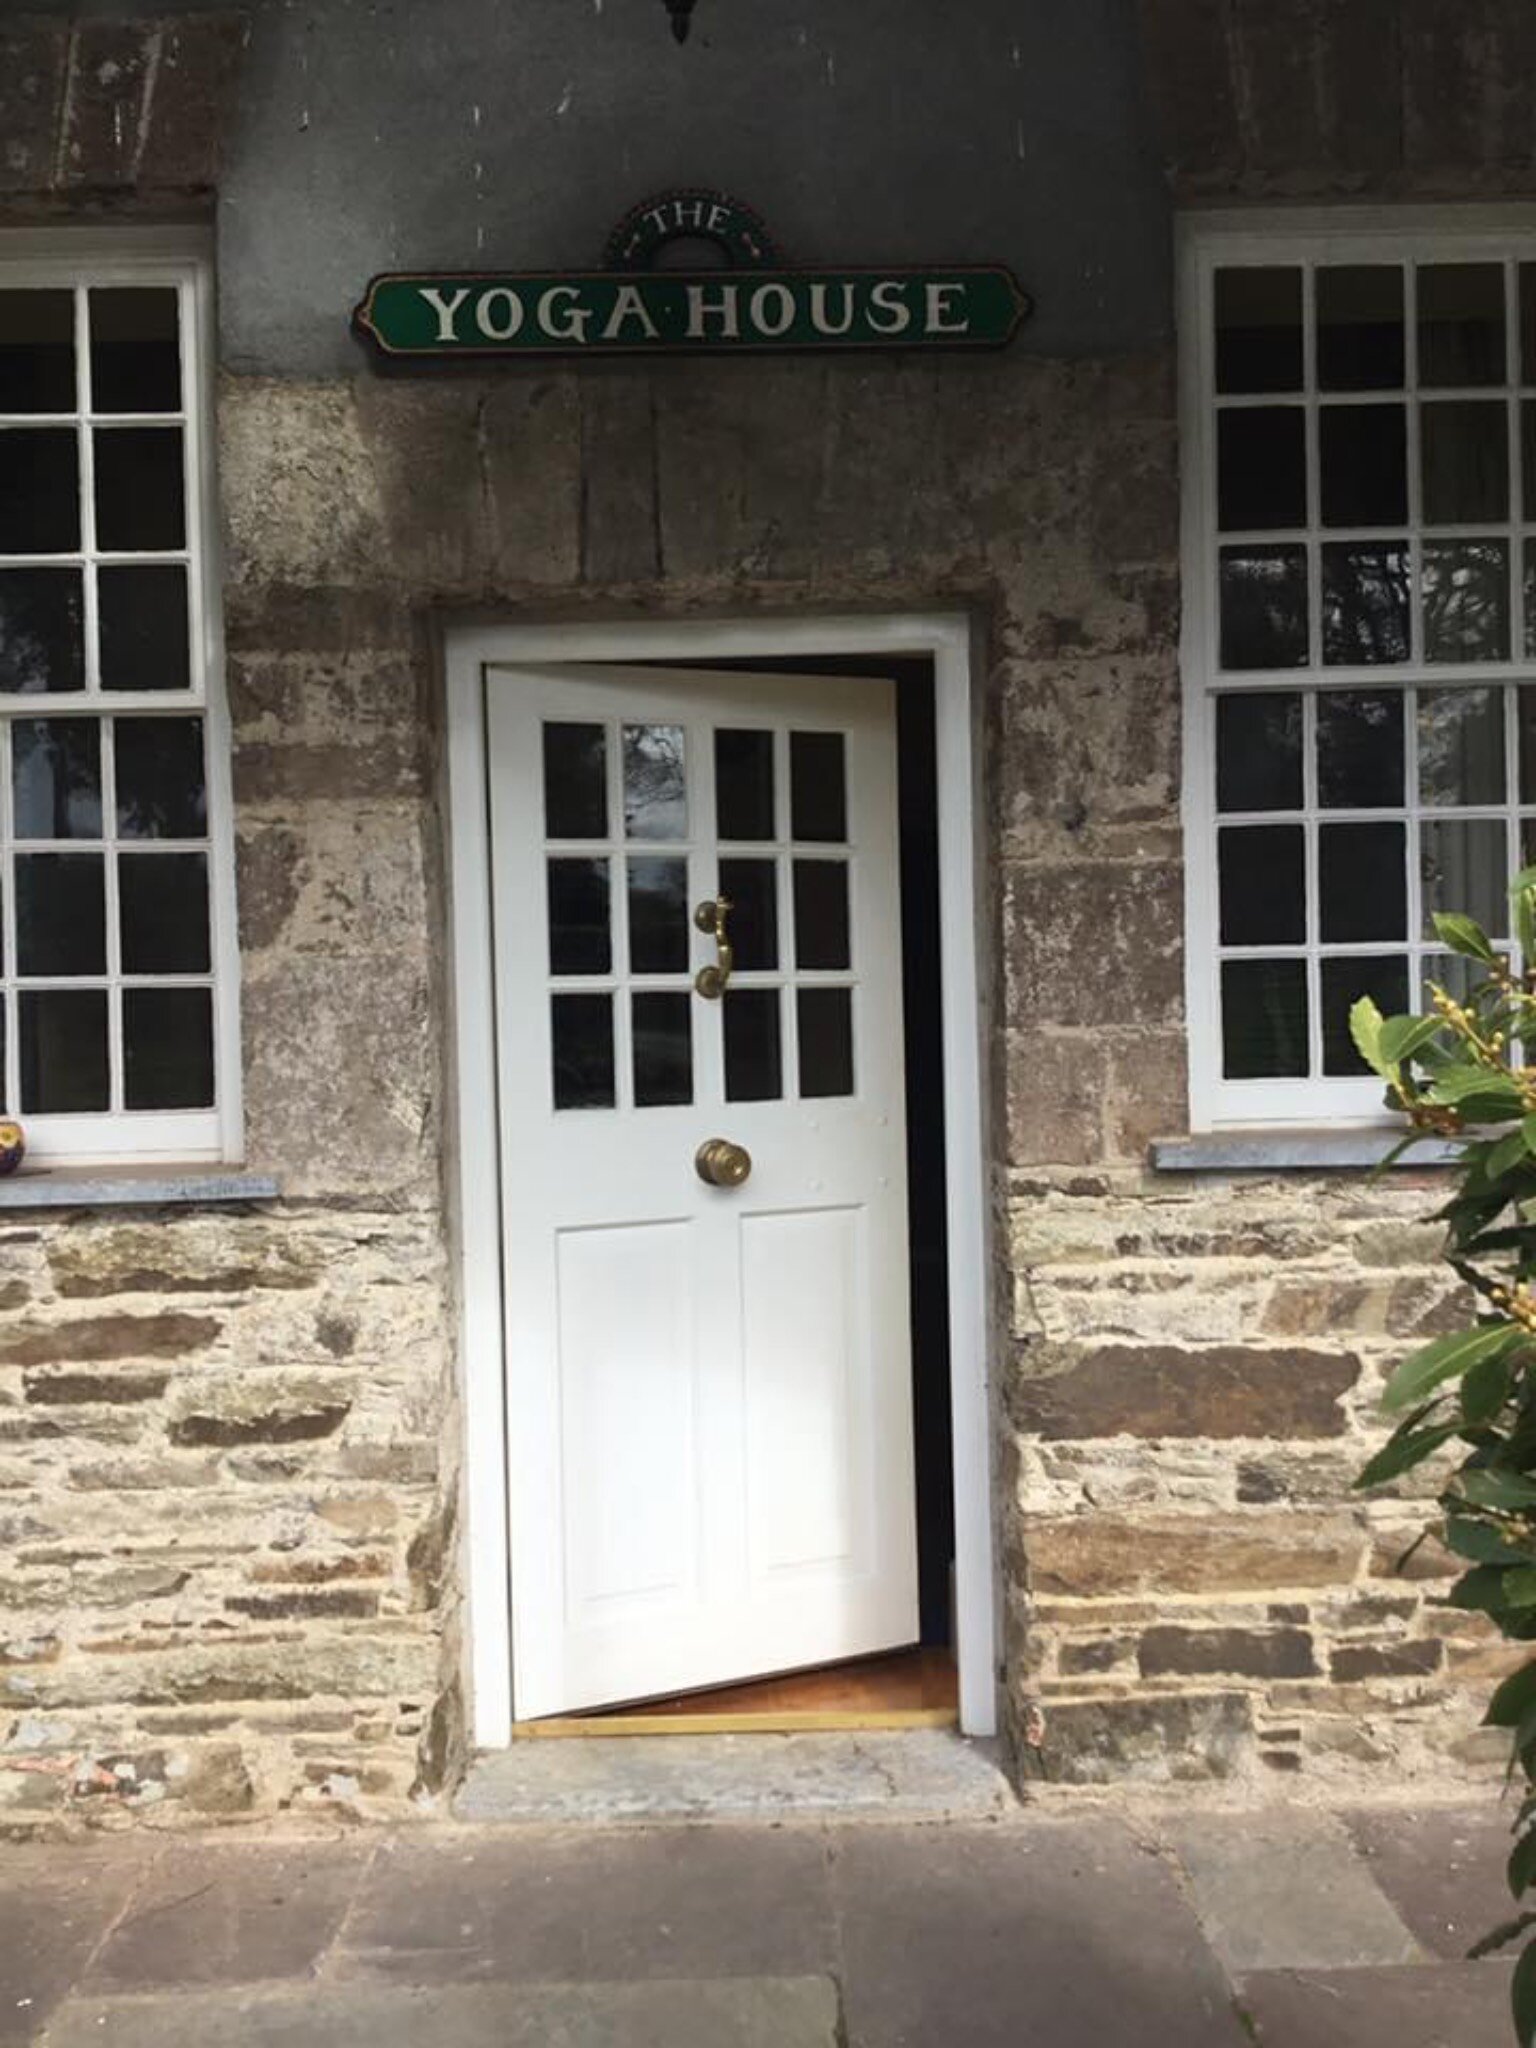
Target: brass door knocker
{"x": 713, "y": 980}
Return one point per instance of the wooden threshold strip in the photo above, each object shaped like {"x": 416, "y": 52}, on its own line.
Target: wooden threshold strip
{"x": 827, "y": 1721}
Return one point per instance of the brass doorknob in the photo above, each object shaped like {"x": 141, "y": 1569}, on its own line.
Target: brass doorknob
{"x": 722, "y": 1164}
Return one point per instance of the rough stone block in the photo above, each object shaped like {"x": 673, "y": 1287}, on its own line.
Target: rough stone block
{"x": 1090, "y": 1556}
{"x": 33, "y": 56}
{"x": 1170, "y": 1651}
{"x": 193, "y": 106}
{"x": 1094, "y": 945}
{"x": 85, "y": 1340}
{"x": 1351, "y": 1663}
{"x": 119, "y": 1388}
{"x": 105, "y": 111}
{"x": 195, "y": 1256}
{"x": 1053, "y": 1098}
{"x": 1175, "y": 1738}
{"x": 1160, "y": 1391}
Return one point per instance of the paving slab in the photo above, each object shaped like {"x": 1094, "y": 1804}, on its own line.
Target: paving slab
{"x": 56, "y": 1906}
{"x": 678, "y": 1902}
{"x": 1444, "y": 2005}
{"x": 916, "y": 1774}
{"x": 1443, "y": 1869}
{"x": 1286, "y": 1891}
{"x": 231, "y": 1913}
{"x": 744, "y": 2012}
{"x": 1053, "y": 1935}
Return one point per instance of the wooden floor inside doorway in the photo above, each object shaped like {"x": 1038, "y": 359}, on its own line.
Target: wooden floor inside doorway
{"x": 908, "y": 1689}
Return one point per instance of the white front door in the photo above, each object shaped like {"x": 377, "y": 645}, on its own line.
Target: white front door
{"x": 709, "y": 1386}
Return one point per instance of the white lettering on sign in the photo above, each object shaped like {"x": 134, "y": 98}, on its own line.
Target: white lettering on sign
{"x": 885, "y": 297}
{"x": 445, "y": 309}
{"x": 721, "y": 306}
{"x": 561, "y": 314}
{"x": 939, "y": 296}
{"x": 772, "y": 310}
{"x": 629, "y": 304}
{"x": 820, "y": 318}
{"x": 500, "y": 328}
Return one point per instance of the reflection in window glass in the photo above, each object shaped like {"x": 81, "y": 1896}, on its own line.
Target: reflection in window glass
{"x": 1366, "y": 612}
{"x": 1464, "y": 866}
{"x": 1360, "y": 749}
{"x": 56, "y": 778}
{"x": 1263, "y": 607}
{"x": 655, "y": 792}
{"x": 1466, "y": 600}
{"x": 1344, "y": 982}
{"x": 161, "y": 789}
{"x": 658, "y": 916}
{"x": 1461, "y": 746}
{"x": 42, "y": 631}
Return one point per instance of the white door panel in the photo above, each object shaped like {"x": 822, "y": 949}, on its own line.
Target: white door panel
{"x": 709, "y": 1399}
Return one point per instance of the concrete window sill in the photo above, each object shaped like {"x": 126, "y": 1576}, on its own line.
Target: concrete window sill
{"x": 1309, "y": 1151}
{"x": 133, "y": 1187}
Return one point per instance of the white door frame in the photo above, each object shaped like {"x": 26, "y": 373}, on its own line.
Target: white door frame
{"x": 475, "y": 1187}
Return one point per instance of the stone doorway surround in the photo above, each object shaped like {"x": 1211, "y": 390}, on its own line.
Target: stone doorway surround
{"x": 945, "y": 639}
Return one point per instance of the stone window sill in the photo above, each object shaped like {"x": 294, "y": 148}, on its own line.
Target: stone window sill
{"x": 133, "y": 1187}
{"x": 1301, "y": 1151}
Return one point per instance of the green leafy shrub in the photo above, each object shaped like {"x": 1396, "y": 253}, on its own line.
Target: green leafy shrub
{"x": 1458, "y": 1074}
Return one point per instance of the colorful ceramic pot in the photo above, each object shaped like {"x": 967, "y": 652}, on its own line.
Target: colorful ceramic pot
{"x": 13, "y": 1145}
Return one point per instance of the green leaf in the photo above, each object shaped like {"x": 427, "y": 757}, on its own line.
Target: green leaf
{"x": 1509, "y": 1153}
{"x": 1519, "y": 1586}
{"x": 1513, "y": 1700}
{"x": 1404, "y": 1449}
{"x": 1528, "y": 1132}
{"x": 1480, "y": 1542}
{"x": 1400, "y": 1038}
{"x": 1365, "y": 1028}
{"x": 1506, "y": 1490}
{"x": 1522, "y": 1864}
{"x": 1481, "y": 1591}
{"x": 1522, "y": 1997}
{"x": 1485, "y": 1389}
{"x": 1443, "y": 1359}
{"x": 1464, "y": 935}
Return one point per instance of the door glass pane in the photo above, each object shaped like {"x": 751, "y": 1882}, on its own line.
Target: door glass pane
{"x": 56, "y": 778}
{"x": 39, "y": 495}
{"x": 744, "y": 806}
{"x": 575, "y": 782}
{"x": 1365, "y": 603}
{"x": 1258, "y": 330}
{"x": 140, "y": 499}
{"x": 1466, "y": 463}
{"x": 163, "y": 913}
{"x": 1264, "y": 1019}
{"x": 1263, "y": 885}
{"x": 168, "y": 1048}
{"x": 37, "y": 351}
{"x": 818, "y": 790}
{"x": 825, "y": 1017}
{"x": 1364, "y": 465}
{"x": 63, "y": 1042}
{"x": 582, "y": 1032}
{"x": 1362, "y": 882}
{"x": 754, "y": 1064}
{"x": 1344, "y": 983}
{"x": 61, "y": 914}
{"x": 1360, "y": 750}
{"x": 821, "y": 914}
{"x": 1461, "y": 746}
{"x": 41, "y": 630}
{"x": 1360, "y": 327}
{"x": 160, "y": 785}
{"x": 1461, "y": 323}
{"x": 579, "y": 940}
{"x": 144, "y": 643}
{"x": 663, "y": 1035}
{"x": 135, "y": 350}
{"x": 1264, "y": 607}
{"x": 655, "y": 795}
{"x": 1466, "y": 600}
{"x": 1261, "y": 465}
{"x": 1464, "y": 863}
{"x": 753, "y": 889}
{"x": 658, "y": 917}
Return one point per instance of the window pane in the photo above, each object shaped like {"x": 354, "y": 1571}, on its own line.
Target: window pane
{"x": 1264, "y": 1019}
{"x": 1360, "y": 749}
{"x": 821, "y": 914}
{"x": 1466, "y": 463}
{"x": 1364, "y": 464}
{"x": 582, "y": 1028}
{"x": 61, "y": 914}
{"x": 1362, "y": 883}
{"x": 825, "y": 1017}
{"x": 1528, "y": 459}
{"x": 754, "y": 1064}
{"x": 1263, "y": 608}
{"x": 575, "y": 782}
{"x": 135, "y": 350}
{"x": 655, "y": 794}
{"x": 663, "y": 1036}
{"x": 144, "y": 643}
{"x": 167, "y": 1048}
{"x": 753, "y": 889}
{"x": 1528, "y": 323}
{"x": 1263, "y": 885}
{"x": 577, "y": 893}
{"x": 658, "y": 917}
{"x": 818, "y": 795}
{"x": 1258, "y": 330}
{"x": 1261, "y": 465}
{"x": 37, "y": 351}
{"x": 163, "y": 913}
{"x": 140, "y": 500}
{"x": 1461, "y": 746}
{"x": 1464, "y": 864}
{"x": 39, "y": 495}
{"x": 1466, "y": 600}
{"x": 1344, "y": 983}
{"x": 160, "y": 787}
{"x": 56, "y": 778}
{"x": 1365, "y": 603}
{"x": 63, "y": 1042}
{"x": 41, "y": 631}
{"x": 744, "y": 784}
{"x": 1525, "y": 720}
{"x": 1461, "y": 323}
{"x": 1457, "y": 975}
{"x": 1258, "y": 752}
{"x": 1360, "y": 327}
